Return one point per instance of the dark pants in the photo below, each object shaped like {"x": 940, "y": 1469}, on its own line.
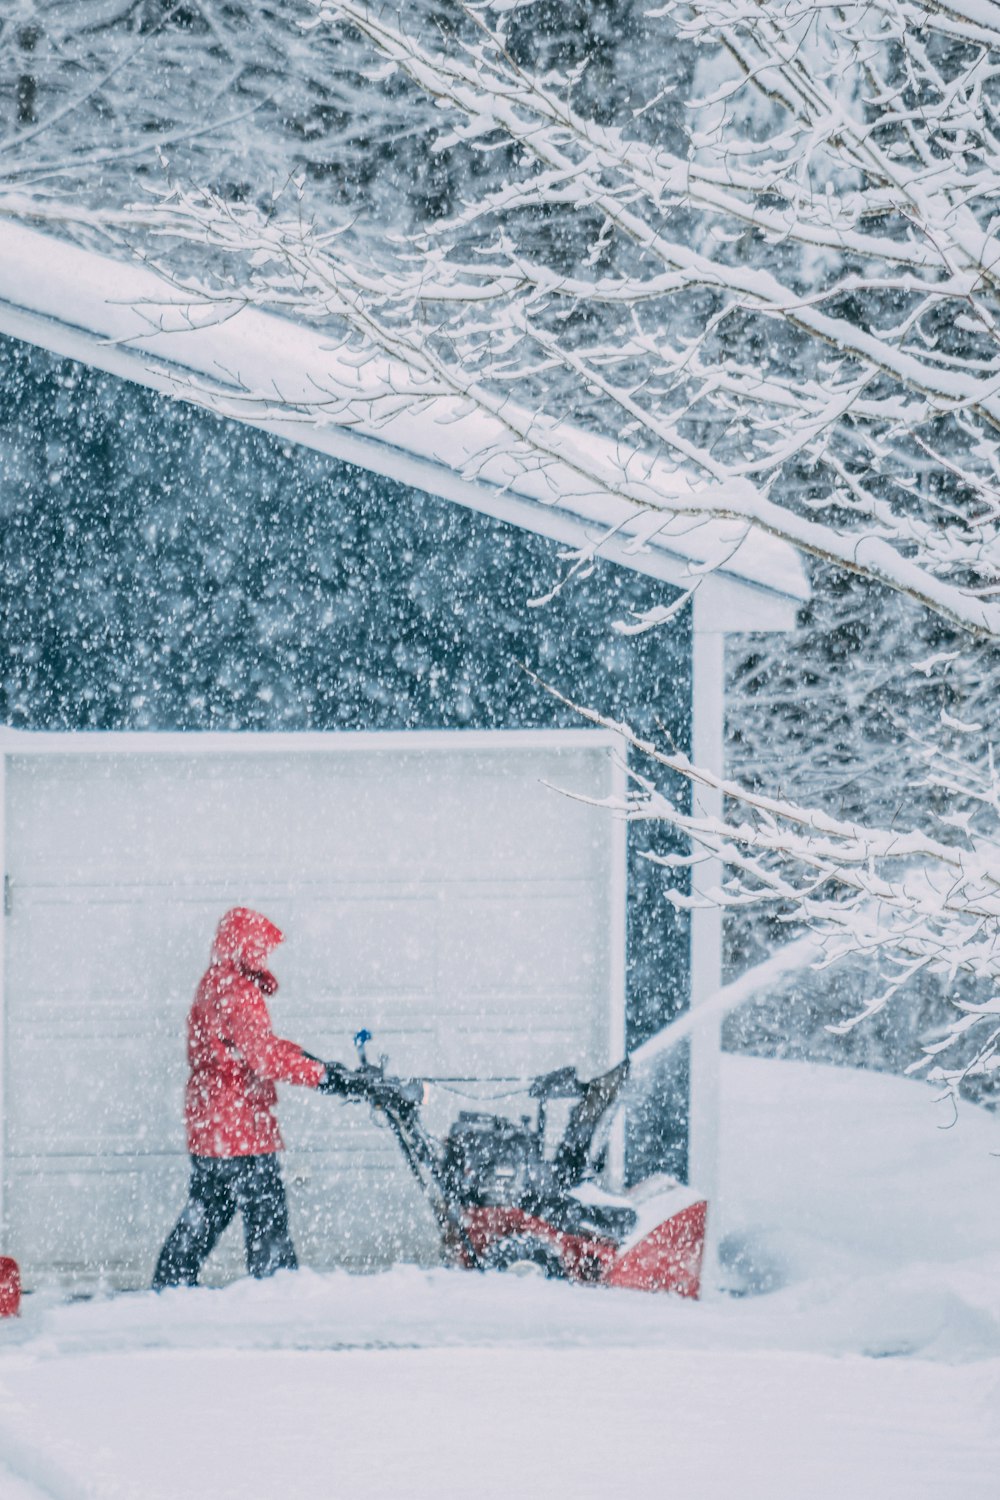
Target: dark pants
{"x": 219, "y": 1187}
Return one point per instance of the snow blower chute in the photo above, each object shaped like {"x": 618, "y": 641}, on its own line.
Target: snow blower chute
{"x": 505, "y": 1194}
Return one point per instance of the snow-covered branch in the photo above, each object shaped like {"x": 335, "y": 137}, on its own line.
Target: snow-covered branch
{"x": 915, "y": 901}
{"x": 802, "y": 316}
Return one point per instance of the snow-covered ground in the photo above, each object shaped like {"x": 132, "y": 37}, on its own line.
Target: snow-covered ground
{"x": 863, "y": 1361}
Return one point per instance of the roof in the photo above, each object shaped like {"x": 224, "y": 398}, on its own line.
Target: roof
{"x": 287, "y": 378}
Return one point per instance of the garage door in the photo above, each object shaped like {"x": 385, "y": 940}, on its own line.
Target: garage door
{"x": 440, "y": 893}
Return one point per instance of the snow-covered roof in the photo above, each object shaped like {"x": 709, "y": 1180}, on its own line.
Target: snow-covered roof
{"x": 287, "y": 378}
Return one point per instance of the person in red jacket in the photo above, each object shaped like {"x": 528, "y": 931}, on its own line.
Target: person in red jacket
{"x": 232, "y": 1132}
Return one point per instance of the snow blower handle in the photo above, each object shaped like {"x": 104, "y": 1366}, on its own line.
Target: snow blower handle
{"x": 339, "y": 1080}
{"x": 368, "y": 1081}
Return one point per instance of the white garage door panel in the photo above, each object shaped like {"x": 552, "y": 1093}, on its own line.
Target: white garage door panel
{"x": 114, "y": 1227}
{"x": 78, "y": 1103}
{"x": 58, "y": 1024}
{"x": 519, "y": 941}
{"x": 446, "y": 899}
{"x": 63, "y": 1216}
{"x": 359, "y": 941}
{"x": 97, "y": 945}
{"x": 351, "y": 1217}
{"x": 118, "y": 818}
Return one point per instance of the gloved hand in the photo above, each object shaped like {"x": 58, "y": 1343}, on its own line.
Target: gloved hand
{"x": 337, "y": 1080}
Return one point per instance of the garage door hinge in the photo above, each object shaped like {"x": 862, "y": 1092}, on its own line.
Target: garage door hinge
{"x": 8, "y": 895}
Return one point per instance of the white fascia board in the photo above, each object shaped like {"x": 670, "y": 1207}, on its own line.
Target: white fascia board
{"x": 727, "y": 606}
{"x": 125, "y": 320}
{"x": 335, "y": 741}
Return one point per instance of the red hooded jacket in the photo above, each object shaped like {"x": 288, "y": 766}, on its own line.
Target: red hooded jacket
{"x": 233, "y": 1052}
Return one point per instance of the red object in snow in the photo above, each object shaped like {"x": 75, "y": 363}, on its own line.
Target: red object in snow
{"x": 234, "y": 1055}
{"x": 10, "y": 1287}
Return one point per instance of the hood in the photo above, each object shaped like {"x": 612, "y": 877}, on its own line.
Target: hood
{"x": 245, "y": 938}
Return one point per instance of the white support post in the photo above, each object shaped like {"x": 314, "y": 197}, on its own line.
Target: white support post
{"x": 707, "y": 750}
{"x": 617, "y": 952}
{"x": 618, "y": 916}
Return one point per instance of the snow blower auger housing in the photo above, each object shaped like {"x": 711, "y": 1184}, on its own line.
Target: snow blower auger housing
{"x": 503, "y": 1194}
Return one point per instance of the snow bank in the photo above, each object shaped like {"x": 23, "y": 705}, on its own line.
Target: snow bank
{"x": 871, "y": 1211}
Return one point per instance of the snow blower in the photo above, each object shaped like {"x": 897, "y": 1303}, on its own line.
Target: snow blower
{"x": 505, "y": 1193}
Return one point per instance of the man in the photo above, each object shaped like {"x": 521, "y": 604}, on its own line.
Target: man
{"x": 232, "y": 1132}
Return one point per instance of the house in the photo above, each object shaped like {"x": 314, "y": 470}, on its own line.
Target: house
{"x": 249, "y": 656}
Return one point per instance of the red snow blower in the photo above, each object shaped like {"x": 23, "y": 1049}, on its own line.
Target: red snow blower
{"x": 505, "y": 1193}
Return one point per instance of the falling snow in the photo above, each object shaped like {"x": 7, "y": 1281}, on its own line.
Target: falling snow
{"x": 509, "y": 492}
